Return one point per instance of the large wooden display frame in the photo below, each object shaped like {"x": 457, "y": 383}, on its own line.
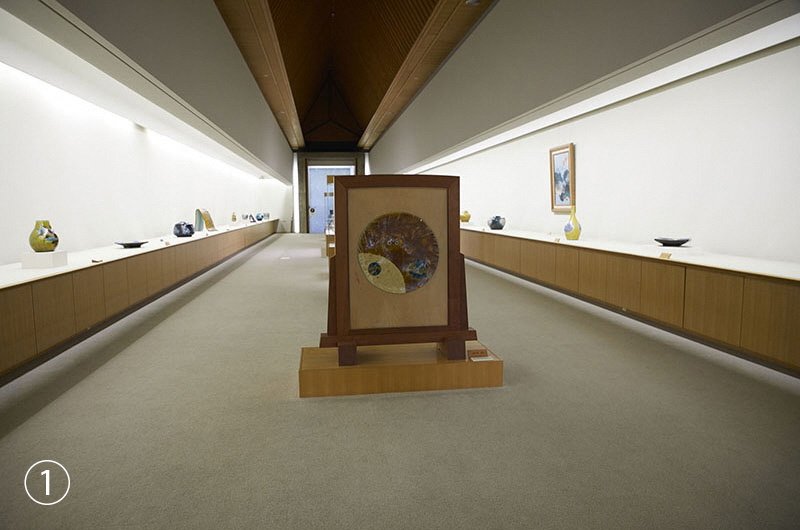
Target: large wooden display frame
{"x": 445, "y": 302}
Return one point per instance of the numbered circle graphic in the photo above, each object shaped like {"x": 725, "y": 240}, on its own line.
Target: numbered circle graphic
{"x": 398, "y": 252}
{"x": 47, "y": 482}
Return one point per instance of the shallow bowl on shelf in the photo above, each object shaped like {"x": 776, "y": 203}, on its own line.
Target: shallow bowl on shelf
{"x": 131, "y": 244}
{"x": 671, "y": 242}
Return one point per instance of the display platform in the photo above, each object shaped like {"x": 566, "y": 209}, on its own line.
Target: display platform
{"x": 44, "y": 260}
{"x": 396, "y": 368}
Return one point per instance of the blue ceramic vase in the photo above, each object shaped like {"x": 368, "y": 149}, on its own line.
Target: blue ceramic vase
{"x": 497, "y": 222}
{"x": 183, "y": 229}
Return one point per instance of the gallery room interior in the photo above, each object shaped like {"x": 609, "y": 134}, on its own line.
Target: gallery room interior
{"x": 419, "y": 264}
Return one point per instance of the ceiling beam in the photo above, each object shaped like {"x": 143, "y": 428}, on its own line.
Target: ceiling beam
{"x": 449, "y": 23}
{"x": 250, "y": 23}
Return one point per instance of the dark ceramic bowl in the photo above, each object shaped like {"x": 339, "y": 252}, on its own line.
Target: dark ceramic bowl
{"x": 670, "y": 242}
{"x": 131, "y": 244}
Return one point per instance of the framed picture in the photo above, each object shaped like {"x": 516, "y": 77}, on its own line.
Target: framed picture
{"x": 562, "y": 178}
{"x": 398, "y": 273}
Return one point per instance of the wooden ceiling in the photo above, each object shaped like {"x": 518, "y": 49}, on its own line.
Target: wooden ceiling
{"x": 336, "y": 73}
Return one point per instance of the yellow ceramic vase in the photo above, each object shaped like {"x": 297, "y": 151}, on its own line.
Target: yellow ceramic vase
{"x": 465, "y": 217}
{"x": 43, "y": 239}
{"x": 573, "y": 228}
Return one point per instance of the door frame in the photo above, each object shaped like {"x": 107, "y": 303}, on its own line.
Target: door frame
{"x": 304, "y": 160}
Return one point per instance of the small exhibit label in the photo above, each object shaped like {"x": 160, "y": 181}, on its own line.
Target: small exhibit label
{"x": 665, "y": 255}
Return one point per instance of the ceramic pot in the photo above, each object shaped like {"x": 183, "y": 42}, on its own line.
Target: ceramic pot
{"x": 259, "y": 217}
{"x": 42, "y": 238}
{"x": 233, "y": 217}
{"x": 497, "y": 222}
{"x": 183, "y": 229}
{"x": 465, "y": 217}
{"x": 573, "y": 228}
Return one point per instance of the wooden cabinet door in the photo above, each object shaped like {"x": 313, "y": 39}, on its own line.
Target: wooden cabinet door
{"x": 624, "y": 282}
{"x": 17, "y": 331}
{"x": 662, "y": 292}
{"x": 713, "y": 304}
{"x": 137, "y": 278}
{"x": 54, "y": 310}
{"x": 538, "y": 261}
{"x": 505, "y": 253}
{"x": 771, "y": 319}
{"x": 90, "y": 301}
{"x": 593, "y": 274}
{"x": 567, "y": 268}
{"x": 115, "y": 287}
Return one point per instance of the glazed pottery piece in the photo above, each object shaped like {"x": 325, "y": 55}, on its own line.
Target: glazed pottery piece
{"x": 497, "y": 222}
{"x": 233, "y": 217}
{"x": 398, "y": 252}
{"x": 671, "y": 242}
{"x": 130, "y": 244}
{"x": 573, "y": 228}
{"x": 42, "y": 238}
{"x": 259, "y": 217}
{"x": 202, "y": 220}
{"x": 183, "y": 229}
{"x": 465, "y": 217}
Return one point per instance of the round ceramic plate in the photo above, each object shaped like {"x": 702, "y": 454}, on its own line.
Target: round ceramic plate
{"x": 670, "y": 242}
{"x": 131, "y": 244}
{"x": 398, "y": 252}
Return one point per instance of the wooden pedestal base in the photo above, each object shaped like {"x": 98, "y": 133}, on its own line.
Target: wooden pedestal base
{"x": 395, "y": 368}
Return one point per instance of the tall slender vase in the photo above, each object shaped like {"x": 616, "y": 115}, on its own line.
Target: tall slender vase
{"x": 573, "y": 228}
{"x": 42, "y": 238}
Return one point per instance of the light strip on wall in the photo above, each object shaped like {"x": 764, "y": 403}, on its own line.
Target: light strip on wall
{"x": 66, "y": 103}
{"x": 756, "y": 41}
{"x": 27, "y": 50}
{"x": 295, "y": 194}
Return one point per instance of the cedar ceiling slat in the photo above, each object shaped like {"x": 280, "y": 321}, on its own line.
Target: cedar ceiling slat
{"x": 369, "y": 59}
{"x": 370, "y": 41}
{"x": 450, "y": 21}
{"x": 304, "y": 31}
{"x": 250, "y": 23}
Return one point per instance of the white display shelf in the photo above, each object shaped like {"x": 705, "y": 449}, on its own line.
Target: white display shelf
{"x": 13, "y": 274}
{"x": 687, "y": 255}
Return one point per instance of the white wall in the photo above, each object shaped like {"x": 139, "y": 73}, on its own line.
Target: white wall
{"x": 714, "y": 158}
{"x": 525, "y": 55}
{"x": 178, "y": 54}
{"x": 99, "y": 178}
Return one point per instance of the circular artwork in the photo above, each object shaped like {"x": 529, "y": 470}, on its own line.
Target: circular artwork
{"x": 398, "y": 252}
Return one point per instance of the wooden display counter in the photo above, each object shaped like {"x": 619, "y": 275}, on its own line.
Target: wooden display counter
{"x": 746, "y": 305}
{"x": 395, "y": 368}
{"x": 46, "y": 310}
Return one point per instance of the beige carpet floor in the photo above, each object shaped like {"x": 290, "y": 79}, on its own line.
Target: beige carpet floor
{"x": 186, "y": 415}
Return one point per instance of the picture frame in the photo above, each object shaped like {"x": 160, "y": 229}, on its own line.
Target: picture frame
{"x": 562, "y": 178}
{"x": 362, "y": 309}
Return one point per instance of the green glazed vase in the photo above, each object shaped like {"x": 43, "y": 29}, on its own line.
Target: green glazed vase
{"x": 43, "y": 239}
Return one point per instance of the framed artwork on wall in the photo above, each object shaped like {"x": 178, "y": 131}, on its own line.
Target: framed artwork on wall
{"x": 562, "y": 178}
